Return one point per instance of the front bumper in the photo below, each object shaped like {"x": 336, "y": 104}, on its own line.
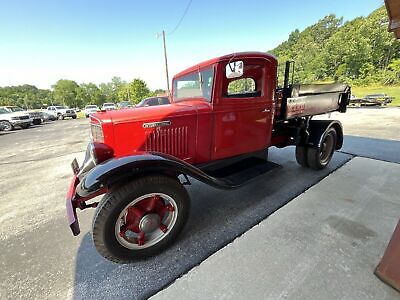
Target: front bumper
{"x": 21, "y": 122}
{"x": 70, "y": 115}
{"x": 71, "y": 206}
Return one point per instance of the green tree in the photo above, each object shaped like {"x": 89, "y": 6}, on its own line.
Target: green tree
{"x": 134, "y": 91}
{"x": 89, "y": 93}
{"x": 65, "y": 93}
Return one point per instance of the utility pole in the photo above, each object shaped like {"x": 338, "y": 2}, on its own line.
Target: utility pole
{"x": 166, "y": 61}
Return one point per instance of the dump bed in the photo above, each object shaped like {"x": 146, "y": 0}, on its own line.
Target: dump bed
{"x": 314, "y": 99}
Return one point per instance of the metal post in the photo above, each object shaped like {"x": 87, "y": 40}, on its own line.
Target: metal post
{"x": 166, "y": 61}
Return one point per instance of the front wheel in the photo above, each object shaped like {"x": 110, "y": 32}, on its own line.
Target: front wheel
{"x": 140, "y": 219}
{"x": 7, "y": 126}
{"x": 319, "y": 157}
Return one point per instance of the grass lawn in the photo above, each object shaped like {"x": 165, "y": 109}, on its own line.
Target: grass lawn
{"x": 392, "y": 91}
{"x": 81, "y": 114}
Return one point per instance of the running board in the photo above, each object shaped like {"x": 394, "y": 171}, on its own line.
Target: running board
{"x": 244, "y": 171}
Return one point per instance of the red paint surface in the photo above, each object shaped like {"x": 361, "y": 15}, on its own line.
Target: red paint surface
{"x": 201, "y": 131}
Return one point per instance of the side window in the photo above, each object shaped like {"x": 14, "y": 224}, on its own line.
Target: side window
{"x": 244, "y": 79}
{"x": 152, "y": 101}
{"x": 242, "y": 87}
{"x": 164, "y": 100}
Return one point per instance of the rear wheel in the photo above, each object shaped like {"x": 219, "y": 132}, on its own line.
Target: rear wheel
{"x": 25, "y": 126}
{"x": 319, "y": 157}
{"x": 60, "y": 117}
{"x": 140, "y": 219}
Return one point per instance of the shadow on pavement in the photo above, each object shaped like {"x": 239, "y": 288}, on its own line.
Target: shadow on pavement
{"x": 386, "y": 150}
{"x": 217, "y": 217}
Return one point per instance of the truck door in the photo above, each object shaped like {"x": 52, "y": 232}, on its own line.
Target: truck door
{"x": 243, "y": 108}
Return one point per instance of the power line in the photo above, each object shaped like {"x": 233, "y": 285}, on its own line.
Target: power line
{"x": 181, "y": 19}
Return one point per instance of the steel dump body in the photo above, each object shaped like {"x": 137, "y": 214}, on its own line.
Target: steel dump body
{"x": 315, "y": 99}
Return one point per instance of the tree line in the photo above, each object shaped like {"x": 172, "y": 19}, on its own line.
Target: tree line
{"x": 360, "y": 52}
{"x": 69, "y": 93}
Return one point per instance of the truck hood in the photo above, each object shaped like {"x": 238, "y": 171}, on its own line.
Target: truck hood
{"x": 148, "y": 113}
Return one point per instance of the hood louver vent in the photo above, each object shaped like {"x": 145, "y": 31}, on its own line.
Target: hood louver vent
{"x": 173, "y": 141}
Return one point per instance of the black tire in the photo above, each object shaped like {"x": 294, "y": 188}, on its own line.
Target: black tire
{"x": 37, "y": 122}
{"x": 116, "y": 201}
{"x": 73, "y": 117}
{"x": 301, "y": 156}
{"x": 7, "y": 126}
{"x": 25, "y": 126}
{"x": 319, "y": 157}
{"x": 60, "y": 117}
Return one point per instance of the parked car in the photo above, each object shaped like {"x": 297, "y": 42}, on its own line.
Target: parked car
{"x": 108, "y": 106}
{"x": 36, "y": 116}
{"x": 61, "y": 112}
{"x": 89, "y": 109}
{"x": 124, "y": 104}
{"x": 154, "y": 101}
{"x": 47, "y": 116}
{"x": 379, "y": 98}
{"x": 10, "y": 120}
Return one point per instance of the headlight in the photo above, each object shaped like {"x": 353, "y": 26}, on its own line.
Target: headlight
{"x": 96, "y": 132}
{"x": 95, "y": 153}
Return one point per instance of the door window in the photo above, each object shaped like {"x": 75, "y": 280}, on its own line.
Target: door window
{"x": 245, "y": 87}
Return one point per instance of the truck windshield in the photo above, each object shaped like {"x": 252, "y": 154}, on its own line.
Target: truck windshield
{"x": 194, "y": 85}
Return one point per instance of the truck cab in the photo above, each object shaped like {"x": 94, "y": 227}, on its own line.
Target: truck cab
{"x": 211, "y": 117}
{"x": 224, "y": 115}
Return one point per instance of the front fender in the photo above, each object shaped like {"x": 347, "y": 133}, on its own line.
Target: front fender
{"x": 119, "y": 169}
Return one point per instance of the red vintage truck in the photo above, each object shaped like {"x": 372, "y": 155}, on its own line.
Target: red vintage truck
{"x": 224, "y": 115}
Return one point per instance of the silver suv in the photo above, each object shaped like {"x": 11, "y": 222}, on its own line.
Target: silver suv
{"x": 10, "y": 120}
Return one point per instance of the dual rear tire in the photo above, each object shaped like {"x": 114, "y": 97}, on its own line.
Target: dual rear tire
{"x": 318, "y": 157}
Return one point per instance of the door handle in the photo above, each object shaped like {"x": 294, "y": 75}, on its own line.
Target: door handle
{"x": 266, "y": 110}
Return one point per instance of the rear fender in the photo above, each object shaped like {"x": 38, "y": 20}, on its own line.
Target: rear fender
{"x": 115, "y": 171}
{"x": 318, "y": 128}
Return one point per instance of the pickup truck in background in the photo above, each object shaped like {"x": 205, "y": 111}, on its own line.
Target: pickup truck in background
{"x": 224, "y": 115}
{"x": 90, "y": 109}
{"x": 11, "y": 119}
{"x": 61, "y": 112}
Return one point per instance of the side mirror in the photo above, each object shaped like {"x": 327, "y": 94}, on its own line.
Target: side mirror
{"x": 234, "y": 69}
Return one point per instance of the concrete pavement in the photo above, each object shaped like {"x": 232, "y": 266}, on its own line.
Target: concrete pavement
{"x": 39, "y": 258}
{"x": 324, "y": 244}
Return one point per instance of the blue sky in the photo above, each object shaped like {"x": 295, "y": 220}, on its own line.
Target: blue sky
{"x": 91, "y": 41}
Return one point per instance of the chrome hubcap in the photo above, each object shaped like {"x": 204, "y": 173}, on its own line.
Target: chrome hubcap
{"x": 146, "y": 221}
{"x": 149, "y": 223}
